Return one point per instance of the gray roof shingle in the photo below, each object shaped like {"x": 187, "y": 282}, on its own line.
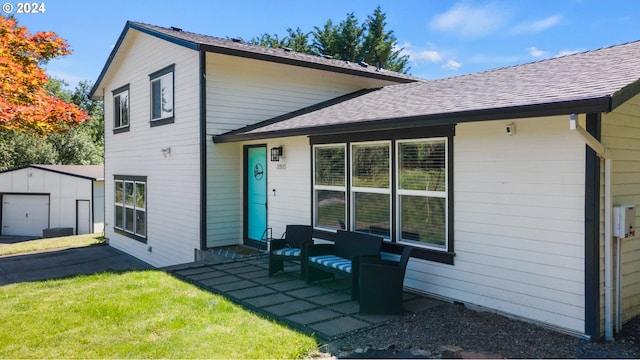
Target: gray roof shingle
{"x": 597, "y": 80}
{"x": 239, "y": 48}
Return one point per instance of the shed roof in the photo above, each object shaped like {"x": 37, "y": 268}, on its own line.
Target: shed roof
{"x": 238, "y": 48}
{"x": 91, "y": 172}
{"x": 592, "y": 81}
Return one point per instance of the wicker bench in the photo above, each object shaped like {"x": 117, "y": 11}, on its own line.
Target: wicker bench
{"x": 342, "y": 258}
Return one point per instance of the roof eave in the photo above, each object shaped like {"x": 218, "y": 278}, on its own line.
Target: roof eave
{"x": 381, "y": 75}
{"x": 593, "y": 105}
{"x": 36, "y": 166}
{"x": 114, "y": 51}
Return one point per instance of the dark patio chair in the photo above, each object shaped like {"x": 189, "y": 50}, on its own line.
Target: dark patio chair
{"x": 381, "y": 283}
{"x": 292, "y": 246}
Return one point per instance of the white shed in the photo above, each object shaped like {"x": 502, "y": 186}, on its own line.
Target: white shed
{"x": 39, "y": 197}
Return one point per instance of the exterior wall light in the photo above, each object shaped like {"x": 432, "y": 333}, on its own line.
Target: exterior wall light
{"x": 276, "y": 153}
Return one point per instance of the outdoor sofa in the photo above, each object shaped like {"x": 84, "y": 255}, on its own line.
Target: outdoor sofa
{"x": 342, "y": 258}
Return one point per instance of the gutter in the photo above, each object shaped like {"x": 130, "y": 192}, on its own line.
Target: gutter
{"x": 605, "y": 156}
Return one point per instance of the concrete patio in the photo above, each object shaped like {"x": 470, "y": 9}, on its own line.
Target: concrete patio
{"x": 324, "y": 309}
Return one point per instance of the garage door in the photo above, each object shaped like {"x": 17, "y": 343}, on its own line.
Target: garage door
{"x": 25, "y": 215}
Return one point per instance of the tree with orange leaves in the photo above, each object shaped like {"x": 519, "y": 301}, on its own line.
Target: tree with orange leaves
{"x": 25, "y": 104}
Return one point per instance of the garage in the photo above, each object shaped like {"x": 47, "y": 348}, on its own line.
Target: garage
{"x": 64, "y": 199}
{"x": 25, "y": 214}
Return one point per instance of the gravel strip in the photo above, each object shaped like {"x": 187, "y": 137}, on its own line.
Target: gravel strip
{"x": 452, "y": 330}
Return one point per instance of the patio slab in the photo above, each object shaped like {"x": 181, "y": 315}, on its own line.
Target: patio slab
{"x": 339, "y": 326}
{"x": 322, "y": 308}
{"x": 268, "y": 300}
{"x": 313, "y": 316}
{"x": 289, "y": 308}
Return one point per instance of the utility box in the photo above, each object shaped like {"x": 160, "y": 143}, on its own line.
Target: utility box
{"x": 624, "y": 221}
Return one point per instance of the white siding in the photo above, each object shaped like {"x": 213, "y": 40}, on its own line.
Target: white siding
{"x": 519, "y": 223}
{"x": 98, "y": 206}
{"x": 290, "y": 178}
{"x": 242, "y": 92}
{"x": 173, "y": 181}
{"x": 621, "y": 135}
{"x": 64, "y": 190}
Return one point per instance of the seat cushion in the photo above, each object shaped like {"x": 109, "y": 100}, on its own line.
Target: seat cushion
{"x": 287, "y": 252}
{"x": 332, "y": 261}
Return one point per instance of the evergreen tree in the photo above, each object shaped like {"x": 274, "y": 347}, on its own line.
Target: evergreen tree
{"x": 378, "y": 45}
{"x": 370, "y": 42}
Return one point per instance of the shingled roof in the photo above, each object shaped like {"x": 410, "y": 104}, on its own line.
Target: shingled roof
{"x": 238, "y": 48}
{"x": 592, "y": 81}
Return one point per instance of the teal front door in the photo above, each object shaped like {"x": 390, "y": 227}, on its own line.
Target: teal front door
{"x": 256, "y": 193}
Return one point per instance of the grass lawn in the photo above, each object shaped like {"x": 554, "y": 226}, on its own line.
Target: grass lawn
{"x": 138, "y": 314}
{"x": 51, "y": 243}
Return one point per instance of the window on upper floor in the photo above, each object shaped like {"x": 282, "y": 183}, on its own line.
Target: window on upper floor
{"x": 121, "y": 109}
{"x": 162, "y": 101}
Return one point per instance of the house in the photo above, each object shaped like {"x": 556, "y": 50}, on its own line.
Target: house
{"x": 503, "y": 181}
{"x": 37, "y": 199}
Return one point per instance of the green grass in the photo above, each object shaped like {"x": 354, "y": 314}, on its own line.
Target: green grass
{"x": 143, "y": 314}
{"x": 51, "y": 243}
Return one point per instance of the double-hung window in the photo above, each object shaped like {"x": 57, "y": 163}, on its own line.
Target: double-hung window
{"x": 330, "y": 186}
{"x": 422, "y": 192}
{"x": 121, "y": 109}
{"x": 162, "y": 102}
{"x": 130, "y": 206}
{"x": 390, "y": 184}
{"x": 371, "y": 187}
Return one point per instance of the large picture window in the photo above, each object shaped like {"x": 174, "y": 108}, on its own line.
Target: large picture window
{"x": 162, "y": 102}
{"x": 130, "y": 194}
{"x": 397, "y": 188}
{"x": 121, "y": 109}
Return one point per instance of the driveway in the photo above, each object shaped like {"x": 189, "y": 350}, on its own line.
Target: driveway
{"x": 66, "y": 262}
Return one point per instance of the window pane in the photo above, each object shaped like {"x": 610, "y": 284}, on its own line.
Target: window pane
{"x": 140, "y": 196}
{"x": 118, "y": 192}
{"x": 330, "y": 211}
{"x": 422, "y": 165}
{"x": 128, "y": 221}
{"x": 329, "y": 163}
{"x": 156, "y": 102}
{"x": 423, "y": 219}
{"x": 166, "y": 95}
{"x": 371, "y": 213}
{"x": 141, "y": 223}
{"x": 119, "y": 217}
{"x": 128, "y": 193}
{"x": 371, "y": 165}
{"x": 117, "y": 122}
{"x": 124, "y": 109}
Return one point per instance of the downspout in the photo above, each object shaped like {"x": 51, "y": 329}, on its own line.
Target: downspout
{"x": 602, "y": 153}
